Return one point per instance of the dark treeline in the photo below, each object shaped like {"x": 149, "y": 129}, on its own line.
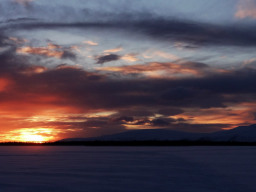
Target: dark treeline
{"x": 132, "y": 143}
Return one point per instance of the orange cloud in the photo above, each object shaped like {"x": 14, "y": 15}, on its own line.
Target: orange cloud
{"x": 130, "y": 57}
{"x": 241, "y": 114}
{"x": 35, "y": 120}
{"x": 247, "y": 63}
{"x": 246, "y": 9}
{"x": 118, "y": 49}
{"x": 158, "y": 70}
{"x": 51, "y": 50}
{"x": 18, "y": 40}
{"x": 92, "y": 43}
{"x": 75, "y": 102}
{"x": 162, "y": 54}
{"x": 33, "y": 70}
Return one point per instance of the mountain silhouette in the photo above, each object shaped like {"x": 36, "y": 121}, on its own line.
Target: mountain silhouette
{"x": 239, "y": 134}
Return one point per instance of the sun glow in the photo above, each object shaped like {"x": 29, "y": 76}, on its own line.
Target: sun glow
{"x": 35, "y": 135}
{"x": 33, "y": 138}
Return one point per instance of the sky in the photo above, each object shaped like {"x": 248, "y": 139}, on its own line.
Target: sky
{"x": 87, "y": 68}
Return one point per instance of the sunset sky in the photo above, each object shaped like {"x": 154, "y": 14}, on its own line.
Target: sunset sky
{"x": 85, "y": 68}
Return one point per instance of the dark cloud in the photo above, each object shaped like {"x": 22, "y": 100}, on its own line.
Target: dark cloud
{"x": 142, "y": 122}
{"x": 125, "y": 18}
{"x": 138, "y": 112}
{"x": 124, "y": 119}
{"x": 162, "y": 122}
{"x": 91, "y": 127}
{"x": 195, "y": 65}
{"x": 202, "y": 128}
{"x": 19, "y": 20}
{"x": 157, "y": 122}
{"x": 91, "y": 90}
{"x": 198, "y": 33}
{"x": 170, "y": 111}
{"x": 4, "y": 40}
{"x": 165, "y": 29}
{"x": 179, "y": 93}
{"x": 69, "y": 55}
{"x": 96, "y": 91}
{"x": 135, "y": 101}
{"x": 107, "y": 58}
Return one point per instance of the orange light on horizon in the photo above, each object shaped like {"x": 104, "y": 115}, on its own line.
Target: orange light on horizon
{"x": 31, "y": 135}
{"x": 33, "y": 138}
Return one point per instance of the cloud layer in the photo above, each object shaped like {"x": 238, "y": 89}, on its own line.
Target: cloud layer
{"x": 111, "y": 72}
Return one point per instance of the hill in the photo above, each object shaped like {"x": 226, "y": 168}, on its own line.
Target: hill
{"x": 239, "y": 134}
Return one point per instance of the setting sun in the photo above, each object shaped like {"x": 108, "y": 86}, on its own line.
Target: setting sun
{"x": 33, "y": 138}
{"x": 33, "y": 135}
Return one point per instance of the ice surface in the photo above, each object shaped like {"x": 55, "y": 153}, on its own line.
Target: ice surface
{"x": 127, "y": 169}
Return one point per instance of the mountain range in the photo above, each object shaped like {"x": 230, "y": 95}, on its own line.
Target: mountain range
{"x": 239, "y": 134}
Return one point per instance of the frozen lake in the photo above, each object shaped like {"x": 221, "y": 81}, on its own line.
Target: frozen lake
{"x": 127, "y": 169}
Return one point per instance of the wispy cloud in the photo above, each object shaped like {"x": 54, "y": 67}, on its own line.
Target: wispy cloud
{"x": 115, "y": 50}
{"x": 160, "y": 70}
{"x": 193, "y": 33}
{"x": 92, "y": 43}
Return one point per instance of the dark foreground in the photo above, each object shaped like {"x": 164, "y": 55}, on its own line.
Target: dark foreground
{"x": 132, "y": 143}
{"x": 127, "y": 169}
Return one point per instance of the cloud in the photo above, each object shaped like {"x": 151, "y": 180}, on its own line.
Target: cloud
{"x": 169, "y": 56}
{"x": 91, "y": 43}
{"x": 33, "y": 96}
{"x": 44, "y": 51}
{"x": 67, "y": 54}
{"x": 18, "y": 40}
{"x": 170, "y": 111}
{"x": 107, "y": 58}
{"x": 175, "y": 94}
{"x": 246, "y": 9}
{"x": 89, "y": 91}
{"x": 115, "y": 50}
{"x": 23, "y": 2}
{"x": 130, "y": 57}
{"x": 159, "y": 70}
{"x": 237, "y": 115}
{"x": 51, "y": 50}
{"x": 250, "y": 63}
{"x": 192, "y": 33}
{"x": 124, "y": 119}
{"x": 162, "y": 122}
{"x": 163, "y": 28}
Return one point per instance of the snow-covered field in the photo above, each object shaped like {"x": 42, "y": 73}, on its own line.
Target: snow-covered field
{"x": 127, "y": 169}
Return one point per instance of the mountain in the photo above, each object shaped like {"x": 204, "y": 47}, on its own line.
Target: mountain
{"x": 239, "y": 134}
{"x": 144, "y": 135}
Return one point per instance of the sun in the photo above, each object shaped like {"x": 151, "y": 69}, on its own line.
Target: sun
{"x": 32, "y": 135}
{"x": 33, "y": 138}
